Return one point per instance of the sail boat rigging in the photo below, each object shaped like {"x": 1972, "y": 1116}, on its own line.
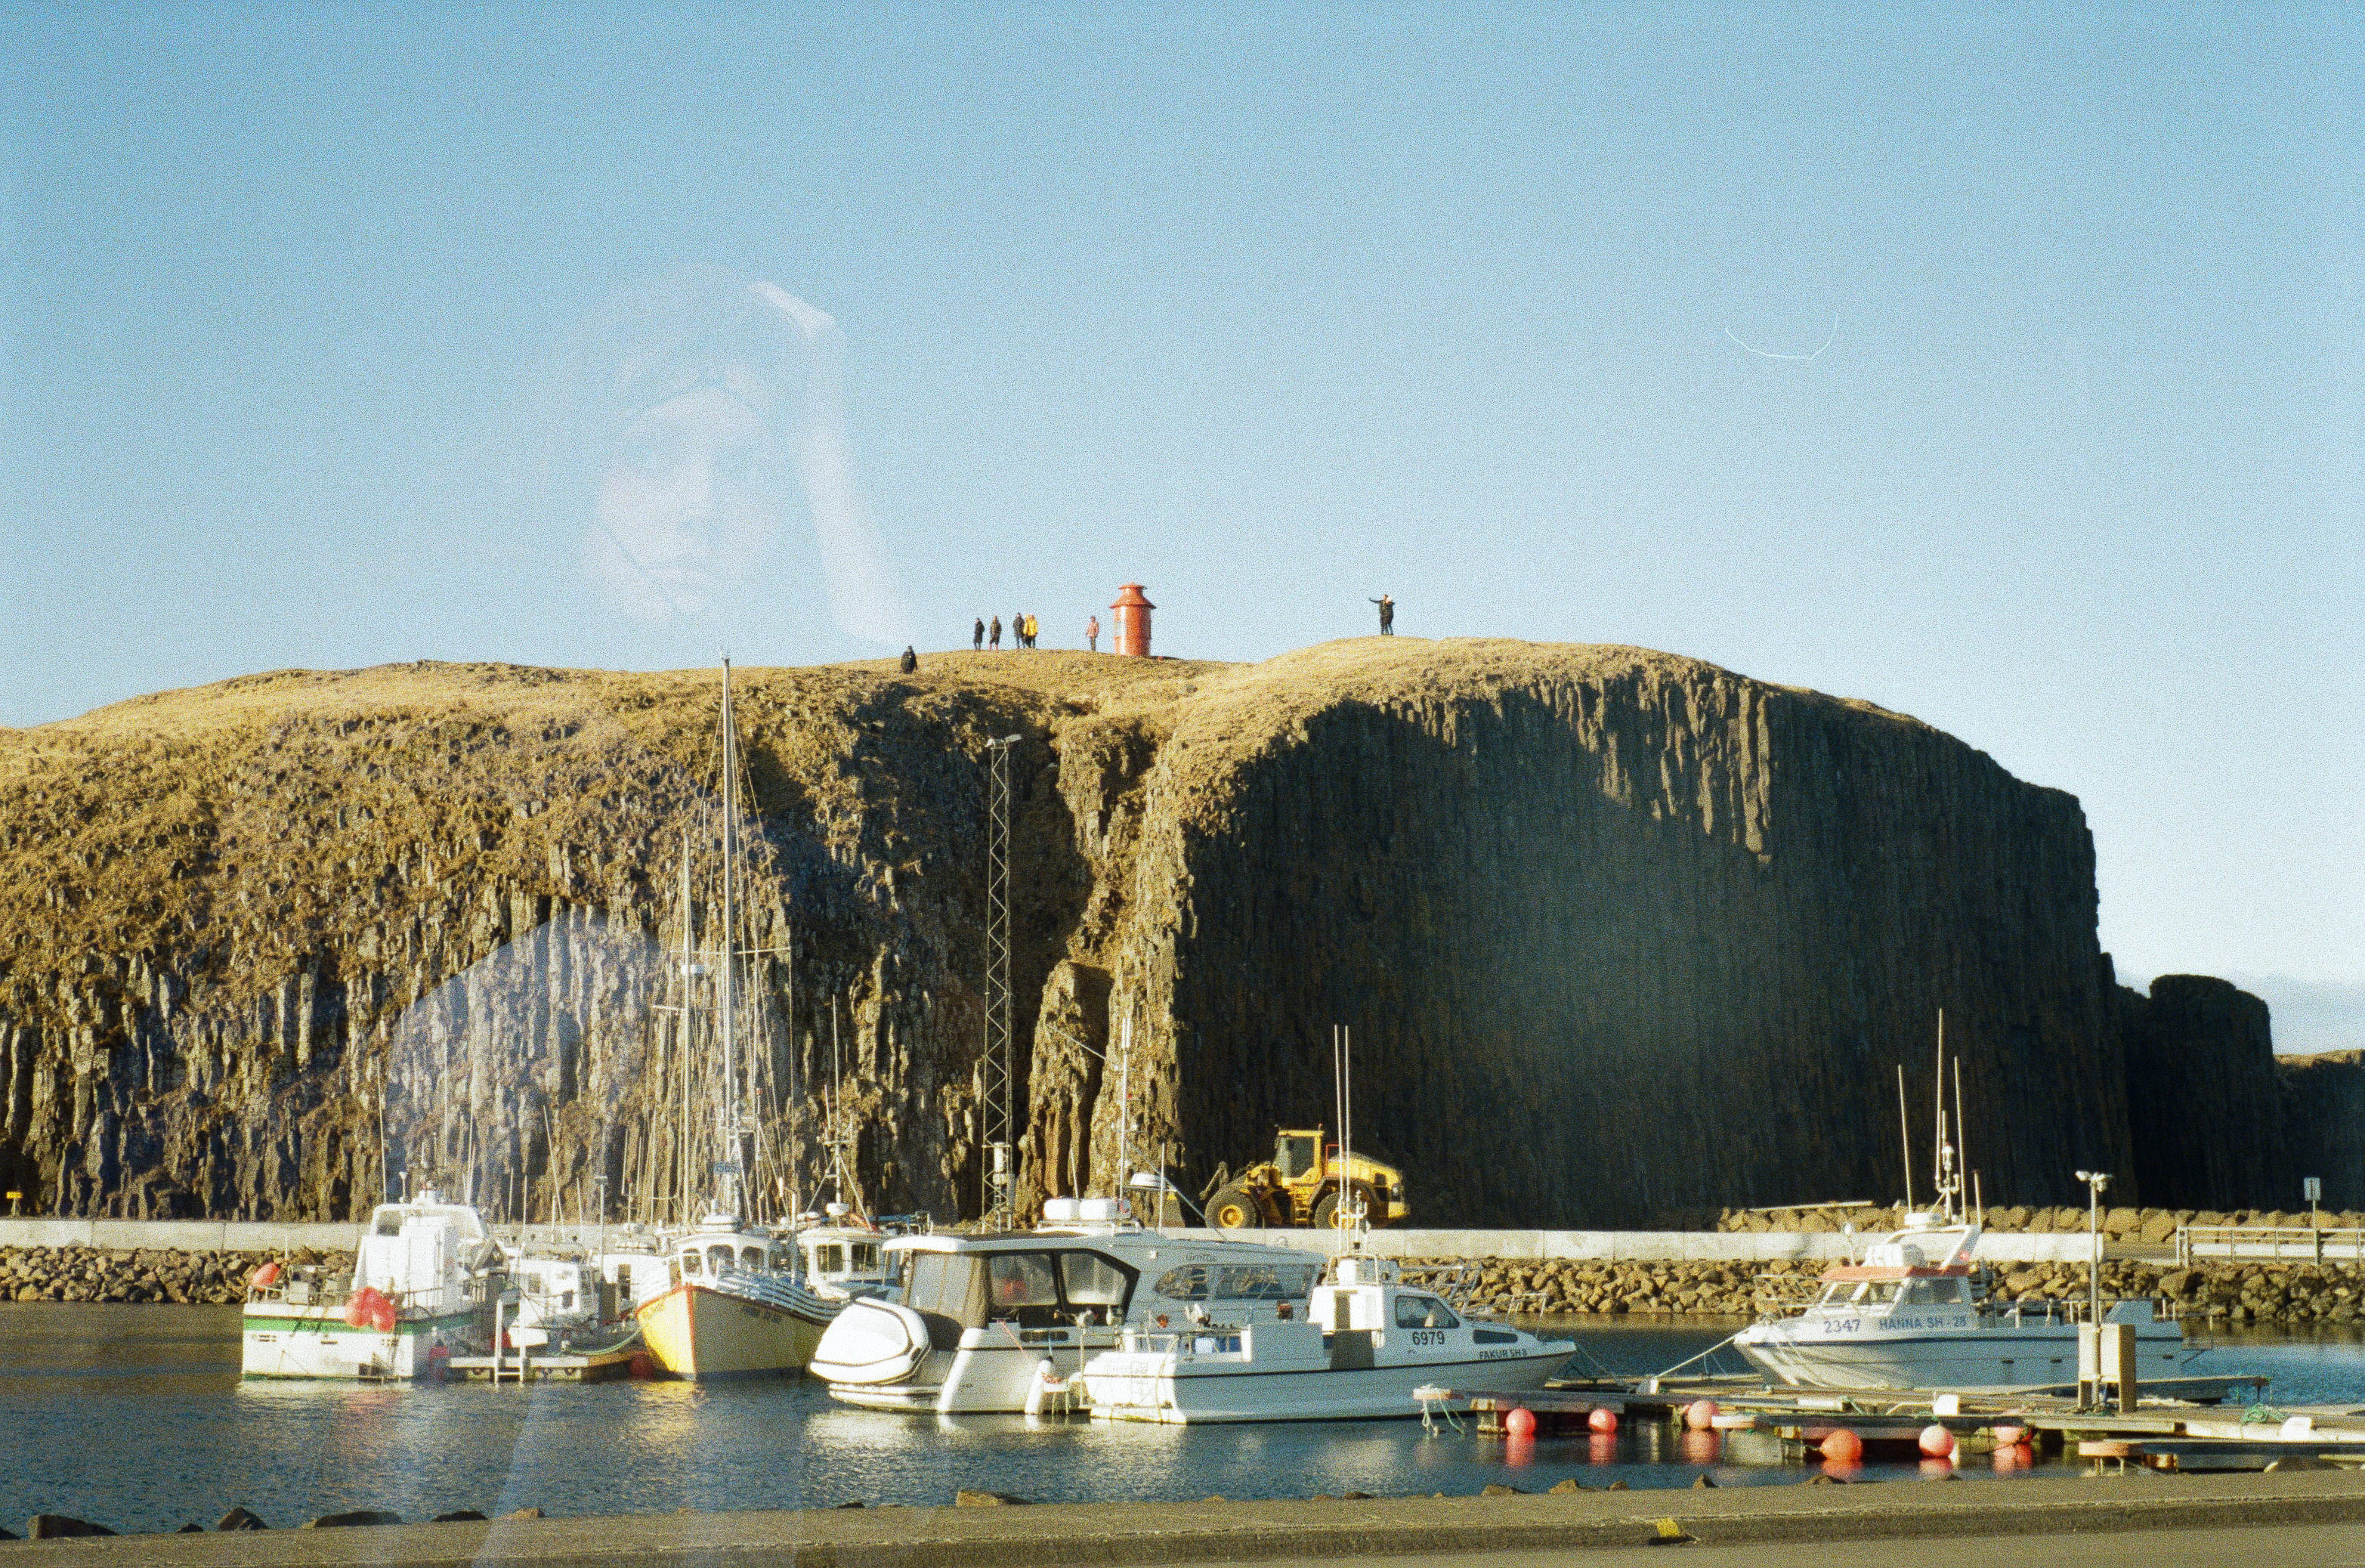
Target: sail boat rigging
{"x": 739, "y": 1303}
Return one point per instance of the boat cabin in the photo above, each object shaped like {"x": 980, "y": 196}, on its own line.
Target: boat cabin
{"x": 424, "y": 1253}
{"x": 718, "y": 1247}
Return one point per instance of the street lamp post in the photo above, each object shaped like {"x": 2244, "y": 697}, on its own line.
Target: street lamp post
{"x": 2096, "y": 1183}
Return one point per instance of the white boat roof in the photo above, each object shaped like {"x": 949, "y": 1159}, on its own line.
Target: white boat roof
{"x": 1123, "y": 1237}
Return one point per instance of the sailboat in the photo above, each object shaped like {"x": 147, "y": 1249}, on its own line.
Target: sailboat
{"x": 738, "y": 1303}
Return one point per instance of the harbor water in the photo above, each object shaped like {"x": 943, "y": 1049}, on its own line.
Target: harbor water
{"x": 136, "y": 1417}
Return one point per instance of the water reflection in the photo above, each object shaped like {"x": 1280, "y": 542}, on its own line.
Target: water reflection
{"x": 135, "y": 1415}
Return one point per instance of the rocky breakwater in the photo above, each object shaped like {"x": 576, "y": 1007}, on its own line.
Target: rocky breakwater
{"x": 2298, "y": 1295}
{"x": 142, "y": 1275}
{"x": 1618, "y": 934}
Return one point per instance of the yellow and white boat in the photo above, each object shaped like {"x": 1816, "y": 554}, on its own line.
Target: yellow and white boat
{"x": 739, "y": 1305}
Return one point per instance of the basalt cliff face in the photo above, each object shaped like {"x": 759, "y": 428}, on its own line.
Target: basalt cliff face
{"x": 1617, "y": 935}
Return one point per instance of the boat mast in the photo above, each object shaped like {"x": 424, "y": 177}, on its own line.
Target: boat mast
{"x": 727, "y": 1114}
{"x": 688, "y": 1036}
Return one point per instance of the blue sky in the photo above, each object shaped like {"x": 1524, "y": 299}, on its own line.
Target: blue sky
{"x": 316, "y": 326}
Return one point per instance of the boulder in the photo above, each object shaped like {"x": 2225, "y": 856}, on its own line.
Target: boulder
{"x": 61, "y": 1526}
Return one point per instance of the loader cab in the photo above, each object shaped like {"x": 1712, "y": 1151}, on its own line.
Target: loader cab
{"x": 1294, "y": 1153}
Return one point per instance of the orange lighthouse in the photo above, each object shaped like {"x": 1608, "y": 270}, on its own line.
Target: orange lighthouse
{"x": 1132, "y": 620}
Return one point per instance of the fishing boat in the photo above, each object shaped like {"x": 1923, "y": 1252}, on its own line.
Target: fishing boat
{"x": 842, "y": 1253}
{"x": 1370, "y": 1342}
{"x": 423, "y": 1286}
{"x": 973, "y": 1317}
{"x": 736, "y": 1303}
{"x": 1913, "y": 1313}
{"x": 740, "y": 1306}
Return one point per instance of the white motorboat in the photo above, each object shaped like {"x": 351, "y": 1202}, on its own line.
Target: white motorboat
{"x": 1910, "y": 1316}
{"x": 1372, "y": 1340}
{"x": 974, "y": 1316}
{"x": 418, "y": 1286}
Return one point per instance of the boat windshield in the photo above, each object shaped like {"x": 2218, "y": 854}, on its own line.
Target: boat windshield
{"x": 1842, "y": 1293}
{"x": 1424, "y": 1312}
{"x": 946, "y": 1284}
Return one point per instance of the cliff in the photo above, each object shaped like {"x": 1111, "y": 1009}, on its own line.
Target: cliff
{"x": 1618, "y": 934}
{"x": 2324, "y": 1126}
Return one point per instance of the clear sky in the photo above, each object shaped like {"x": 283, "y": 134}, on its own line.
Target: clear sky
{"x": 2007, "y": 370}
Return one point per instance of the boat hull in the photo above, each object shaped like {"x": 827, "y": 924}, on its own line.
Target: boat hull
{"x": 316, "y": 1343}
{"x": 1180, "y": 1395}
{"x": 1972, "y": 1360}
{"x": 697, "y": 1332}
{"x": 990, "y": 1374}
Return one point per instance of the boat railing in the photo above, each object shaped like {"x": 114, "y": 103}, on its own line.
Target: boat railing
{"x": 2298, "y": 1243}
{"x": 1453, "y": 1282}
{"x": 305, "y": 1285}
{"x": 2046, "y": 1311}
{"x": 1212, "y": 1340}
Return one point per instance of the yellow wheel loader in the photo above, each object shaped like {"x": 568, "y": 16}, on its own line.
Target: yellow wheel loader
{"x": 1305, "y": 1183}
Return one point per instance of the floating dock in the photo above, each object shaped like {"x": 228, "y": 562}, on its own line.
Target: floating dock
{"x": 596, "y": 1366}
{"x": 2180, "y": 1425}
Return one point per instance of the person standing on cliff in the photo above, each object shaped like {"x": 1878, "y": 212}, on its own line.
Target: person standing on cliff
{"x": 1387, "y": 615}
{"x": 994, "y": 632}
{"x": 911, "y": 660}
{"x": 977, "y": 637}
{"x": 1092, "y": 635}
{"x": 1018, "y": 630}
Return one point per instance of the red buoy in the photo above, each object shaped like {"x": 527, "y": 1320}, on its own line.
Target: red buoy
{"x": 1603, "y": 1421}
{"x": 1700, "y": 1414}
{"x": 1937, "y": 1443}
{"x": 1843, "y": 1447}
{"x": 1519, "y": 1423}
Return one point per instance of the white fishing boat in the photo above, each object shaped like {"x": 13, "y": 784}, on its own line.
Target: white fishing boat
{"x": 973, "y": 1316}
{"x": 419, "y": 1291}
{"x": 1911, "y": 1315}
{"x": 1372, "y": 1340}
{"x": 844, "y": 1254}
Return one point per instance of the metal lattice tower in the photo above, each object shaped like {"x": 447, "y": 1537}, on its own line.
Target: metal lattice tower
{"x": 997, "y": 1081}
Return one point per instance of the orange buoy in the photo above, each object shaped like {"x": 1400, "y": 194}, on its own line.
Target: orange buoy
{"x": 1520, "y": 1422}
{"x": 1603, "y": 1421}
{"x": 1937, "y": 1443}
{"x": 1700, "y": 1414}
{"x": 2008, "y": 1436}
{"x": 1843, "y": 1447}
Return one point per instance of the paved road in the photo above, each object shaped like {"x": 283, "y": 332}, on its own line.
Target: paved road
{"x": 2296, "y": 1546}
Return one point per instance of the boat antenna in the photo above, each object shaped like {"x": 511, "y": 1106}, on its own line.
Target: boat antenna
{"x": 1905, "y": 1131}
{"x": 1962, "y": 1156}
